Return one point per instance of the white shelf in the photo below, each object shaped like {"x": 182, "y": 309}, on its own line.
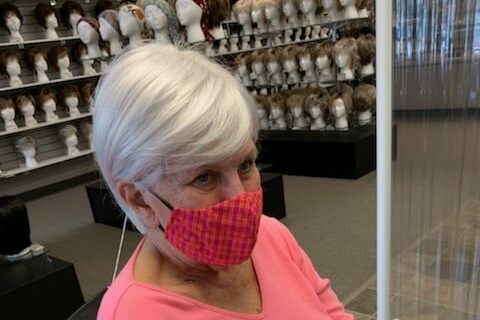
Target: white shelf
{"x": 37, "y": 41}
{"x": 45, "y": 124}
{"x": 270, "y": 35}
{"x": 43, "y": 164}
{"x": 38, "y": 84}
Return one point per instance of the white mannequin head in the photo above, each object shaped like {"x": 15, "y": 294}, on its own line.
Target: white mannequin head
{"x": 308, "y": 5}
{"x": 306, "y": 62}
{"x": 323, "y": 62}
{"x": 71, "y": 101}
{"x": 343, "y": 60}
{"x": 258, "y": 14}
{"x": 74, "y": 18}
{"x": 41, "y": 63}
{"x": 13, "y": 23}
{"x": 338, "y": 108}
{"x": 13, "y": 67}
{"x": 258, "y": 67}
{"x": 8, "y": 114}
{"x": 51, "y": 21}
{"x": 26, "y": 146}
{"x": 188, "y": 12}
{"x": 289, "y": 8}
{"x": 290, "y": 65}
{"x": 131, "y": 20}
{"x": 156, "y": 19}
{"x": 26, "y": 105}
{"x": 346, "y": 3}
{"x": 274, "y": 66}
{"x": 68, "y": 134}
{"x": 63, "y": 62}
{"x": 108, "y": 25}
{"x": 71, "y": 140}
{"x": 330, "y": 4}
{"x": 49, "y": 105}
{"x": 273, "y": 10}
{"x": 87, "y": 29}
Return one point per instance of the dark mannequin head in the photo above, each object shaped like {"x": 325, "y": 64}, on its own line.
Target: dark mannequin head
{"x": 14, "y": 226}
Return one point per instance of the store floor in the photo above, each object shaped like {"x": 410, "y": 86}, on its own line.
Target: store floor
{"x": 333, "y": 220}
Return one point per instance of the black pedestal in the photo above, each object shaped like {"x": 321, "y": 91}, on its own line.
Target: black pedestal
{"x": 39, "y": 288}
{"x": 335, "y": 154}
{"x": 106, "y": 211}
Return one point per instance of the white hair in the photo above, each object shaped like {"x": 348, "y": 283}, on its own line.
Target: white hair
{"x": 161, "y": 109}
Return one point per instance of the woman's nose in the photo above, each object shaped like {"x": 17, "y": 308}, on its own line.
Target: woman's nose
{"x": 232, "y": 186}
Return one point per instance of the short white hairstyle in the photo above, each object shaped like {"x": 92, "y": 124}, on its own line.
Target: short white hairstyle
{"x": 161, "y": 109}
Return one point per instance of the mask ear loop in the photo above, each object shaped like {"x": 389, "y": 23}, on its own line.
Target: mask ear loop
{"x": 120, "y": 246}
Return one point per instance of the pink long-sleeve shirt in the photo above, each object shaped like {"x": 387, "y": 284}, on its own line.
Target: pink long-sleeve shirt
{"x": 289, "y": 285}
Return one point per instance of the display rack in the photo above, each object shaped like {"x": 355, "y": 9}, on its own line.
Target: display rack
{"x": 21, "y": 45}
{"x": 45, "y": 124}
{"x": 43, "y": 164}
{"x": 49, "y": 83}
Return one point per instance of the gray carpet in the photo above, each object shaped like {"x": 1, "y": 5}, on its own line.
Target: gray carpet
{"x": 333, "y": 220}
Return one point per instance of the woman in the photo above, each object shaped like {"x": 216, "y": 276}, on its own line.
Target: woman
{"x": 174, "y": 136}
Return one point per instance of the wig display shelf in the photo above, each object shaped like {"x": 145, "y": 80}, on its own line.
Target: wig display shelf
{"x": 46, "y": 163}
{"x": 45, "y": 124}
{"x": 313, "y": 84}
{"x": 43, "y": 287}
{"x": 21, "y": 45}
{"x": 333, "y": 154}
{"x": 336, "y": 25}
{"x": 51, "y": 82}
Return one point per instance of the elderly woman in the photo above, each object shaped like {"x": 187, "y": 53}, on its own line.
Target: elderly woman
{"x": 174, "y": 135}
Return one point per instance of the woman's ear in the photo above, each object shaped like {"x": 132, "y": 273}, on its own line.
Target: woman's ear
{"x": 139, "y": 201}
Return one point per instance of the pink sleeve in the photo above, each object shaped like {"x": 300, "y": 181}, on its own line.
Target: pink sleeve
{"x": 325, "y": 294}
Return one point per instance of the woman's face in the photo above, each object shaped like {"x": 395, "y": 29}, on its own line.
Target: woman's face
{"x": 211, "y": 184}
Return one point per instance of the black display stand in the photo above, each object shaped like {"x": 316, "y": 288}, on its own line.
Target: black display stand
{"x": 106, "y": 211}
{"x": 334, "y": 154}
{"x": 39, "y": 288}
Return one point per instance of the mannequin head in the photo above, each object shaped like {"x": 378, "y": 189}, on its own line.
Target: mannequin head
{"x": 69, "y": 96}
{"x": 7, "y": 108}
{"x": 36, "y": 59}
{"x": 103, "y": 5}
{"x": 272, "y": 59}
{"x": 26, "y": 146}
{"x": 68, "y": 135}
{"x": 365, "y": 97}
{"x": 158, "y": 14}
{"x": 26, "y": 105}
{"x": 296, "y": 104}
{"x": 278, "y": 106}
{"x": 86, "y": 128}
{"x": 88, "y": 30}
{"x": 345, "y": 3}
{"x": 241, "y": 10}
{"x": 58, "y": 56}
{"x": 317, "y": 102}
{"x": 307, "y": 5}
{"x": 9, "y": 63}
{"x": 331, "y": 4}
{"x": 289, "y": 7}
{"x": 193, "y": 12}
{"x": 289, "y": 58}
{"x": 257, "y": 61}
{"x": 346, "y": 53}
{"x": 105, "y": 48}
{"x": 340, "y": 103}
{"x": 46, "y": 100}
{"x": 70, "y": 13}
{"x": 366, "y": 48}
{"x": 305, "y": 58}
{"x": 258, "y": 11}
{"x": 131, "y": 19}
{"x": 243, "y": 62}
{"x": 262, "y": 106}
{"x": 11, "y": 18}
{"x": 46, "y": 15}
{"x": 361, "y": 4}
{"x": 273, "y": 9}
{"x": 79, "y": 52}
{"x": 323, "y": 54}
{"x": 86, "y": 92}
{"x": 108, "y": 25}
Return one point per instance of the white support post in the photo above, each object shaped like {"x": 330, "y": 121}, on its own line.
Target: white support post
{"x": 384, "y": 35}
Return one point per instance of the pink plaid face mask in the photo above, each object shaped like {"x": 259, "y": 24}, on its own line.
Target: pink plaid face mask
{"x": 223, "y": 234}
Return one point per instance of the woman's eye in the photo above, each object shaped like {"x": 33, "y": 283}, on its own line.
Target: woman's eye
{"x": 203, "y": 179}
{"x": 245, "y": 166}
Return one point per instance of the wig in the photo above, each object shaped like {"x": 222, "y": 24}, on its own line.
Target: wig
{"x": 67, "y": 9}
{"x": 7, "y": 10}
{"x": 365, "y": 97}
{"x": 42, "y": 10}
